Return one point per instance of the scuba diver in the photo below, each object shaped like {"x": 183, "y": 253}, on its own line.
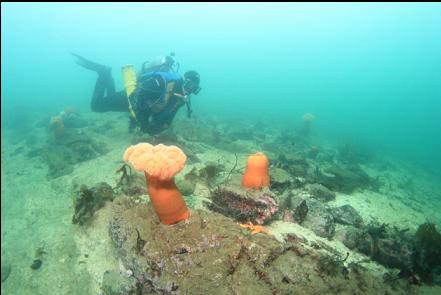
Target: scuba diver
{"x": 153, "y": 97}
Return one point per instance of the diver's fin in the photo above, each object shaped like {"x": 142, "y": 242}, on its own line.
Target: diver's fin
{"x": 90, "y": 65}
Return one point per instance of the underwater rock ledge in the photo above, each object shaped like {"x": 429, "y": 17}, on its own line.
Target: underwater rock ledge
{"x": 212, "y": 254}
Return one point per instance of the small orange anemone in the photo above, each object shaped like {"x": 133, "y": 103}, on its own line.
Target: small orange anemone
{"x": 57, "y": 126}
{"x": 69, "y": 110}
{"x": 256, "y": 172}
{"x": 308, "y": 117}
{"x": 160, "y": 164}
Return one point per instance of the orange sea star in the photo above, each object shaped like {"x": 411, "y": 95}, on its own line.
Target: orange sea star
{"x": 255, "y": 228}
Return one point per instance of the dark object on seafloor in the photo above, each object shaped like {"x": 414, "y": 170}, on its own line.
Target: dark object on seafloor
{"x": 257, "y": 207}
{"x": 427, "y": 254}
{"x": 6, "y": 270}
{"x": 300, "y": 212}
{"x": 36, "y": 264}
{"x": 333, "y": 265}
{"x": 88, "y": 200}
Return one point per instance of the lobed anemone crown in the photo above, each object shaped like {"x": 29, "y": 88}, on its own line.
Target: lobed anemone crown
{"x": 57, "y": 126}
{"x": 308, "y": 117}
{"x": 69, "y": 110}
{"x": 160, "y": 161}
{"x": 56, "y": 120}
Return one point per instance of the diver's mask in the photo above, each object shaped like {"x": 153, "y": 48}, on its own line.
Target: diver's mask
{"x": 191, "y": 82}
{"x": 191, "y": 87}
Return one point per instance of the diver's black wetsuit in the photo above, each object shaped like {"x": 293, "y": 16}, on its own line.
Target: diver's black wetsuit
{"x": 113, "y": 101}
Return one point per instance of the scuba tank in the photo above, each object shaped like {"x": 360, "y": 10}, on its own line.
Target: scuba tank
{"x": 161, "y": 64}
{"x": 130, "y": 80}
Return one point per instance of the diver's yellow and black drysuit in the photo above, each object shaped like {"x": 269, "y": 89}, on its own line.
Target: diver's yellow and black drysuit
{"x": 152, "y": 98}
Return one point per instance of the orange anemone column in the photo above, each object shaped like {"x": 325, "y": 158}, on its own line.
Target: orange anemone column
{"x": 256, "y": 172}
{"x": 167, "y": 200}
{"x": 160, "y": 164}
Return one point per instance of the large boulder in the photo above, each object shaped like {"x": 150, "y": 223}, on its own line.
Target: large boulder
{"x": 211, "y": 254}
{"x": 319, "y": 219}
{"x": 346, "y": 214}
{"x": 344, "y": 178}
{"x": 207, "y": 254}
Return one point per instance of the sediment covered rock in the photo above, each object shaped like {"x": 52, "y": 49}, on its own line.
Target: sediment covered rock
{"x": 256, "y": 207}
{"x": 70, "y": 148}
{"x": 117, "y": 283}
{"x": 319, "y": 219}
{"x": 320, "y": 192}
{"x": 211, "y": 254}
{"x": 344, "y": 178}
{"x": 205, "y": 254}
{"x": 280, "y": 179}
{"x": 346, "y": 214}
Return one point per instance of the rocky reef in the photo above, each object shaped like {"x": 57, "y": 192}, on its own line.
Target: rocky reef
{"x": 217, "y": 250}
{"x": 417, "y": 256}
{"x": 211, "y": 254}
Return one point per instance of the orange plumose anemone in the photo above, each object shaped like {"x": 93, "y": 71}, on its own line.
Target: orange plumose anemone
{"x": 308, "y": 117}
{"x": 160, "y": 164}
{"x": 57, "y": 126}
{"x": 256, "y": 174}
